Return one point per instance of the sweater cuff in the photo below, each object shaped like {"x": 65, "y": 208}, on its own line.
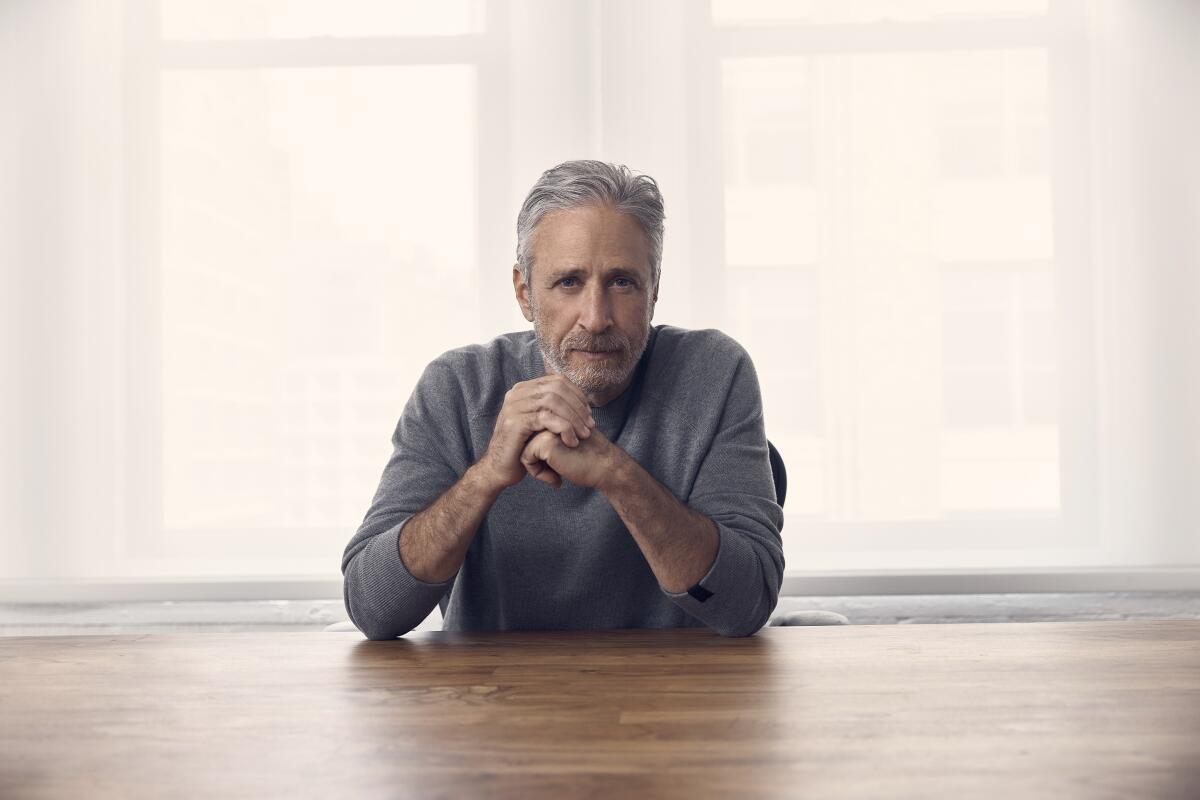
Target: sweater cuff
{"x": 712, "y": 583}
{"x": 386, "y": 570}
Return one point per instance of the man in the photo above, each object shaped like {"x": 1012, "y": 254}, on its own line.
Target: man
{"x": 592, "y": 473}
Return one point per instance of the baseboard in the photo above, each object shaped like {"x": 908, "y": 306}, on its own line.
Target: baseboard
{"x": 994, "y": 581}
{"x": 833, "y": 583}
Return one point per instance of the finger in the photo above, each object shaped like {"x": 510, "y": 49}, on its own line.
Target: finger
{"x": 538, "y": 448}
{"x": 561, "y": 386}
{"x": 549, "y": 476}
{"x": 574, "y": 395}
{"x": 557, "y": 392}
{"x": 568, "y": 409}
{"x": 533, "y": 457}
{"x": 554, "y": 417}
{"x": 547, "y": 420}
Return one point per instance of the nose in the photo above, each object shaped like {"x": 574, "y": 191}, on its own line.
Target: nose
{"x": 596, "y": 314}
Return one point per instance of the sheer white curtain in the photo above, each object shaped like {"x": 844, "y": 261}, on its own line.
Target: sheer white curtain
{"x": 959, "y": 240}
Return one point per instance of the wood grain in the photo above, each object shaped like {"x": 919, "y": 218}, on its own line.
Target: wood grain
{"x": 1091, "y": 709}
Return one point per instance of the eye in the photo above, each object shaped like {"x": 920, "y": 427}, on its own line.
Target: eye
{"x": 625, "y": 285}
{"x": 565, "y": 281}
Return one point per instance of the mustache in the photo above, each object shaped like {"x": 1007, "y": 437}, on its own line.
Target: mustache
{"x": 602, "y": 342}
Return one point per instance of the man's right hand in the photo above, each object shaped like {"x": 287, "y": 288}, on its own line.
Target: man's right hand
{"x": 550, "y": 403}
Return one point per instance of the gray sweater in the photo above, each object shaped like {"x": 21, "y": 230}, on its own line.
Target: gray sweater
{"x": 547, "y": 559}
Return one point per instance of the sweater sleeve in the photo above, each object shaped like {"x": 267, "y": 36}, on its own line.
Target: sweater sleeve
{"x": 734, "y": 488}
{"x": 384, "y": 600}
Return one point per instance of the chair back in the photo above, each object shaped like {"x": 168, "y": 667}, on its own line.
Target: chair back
{"x": 778, "y": 473}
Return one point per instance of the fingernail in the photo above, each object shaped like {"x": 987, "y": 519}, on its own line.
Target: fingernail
{"x": 592, "y": 421}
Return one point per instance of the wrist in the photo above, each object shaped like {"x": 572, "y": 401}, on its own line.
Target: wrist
{"x": 616, "y": 472}
{"x": 484, "y": 480}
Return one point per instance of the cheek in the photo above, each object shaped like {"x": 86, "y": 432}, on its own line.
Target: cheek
{"x": 554, "y": 321}
{"x": 635, "y": 311}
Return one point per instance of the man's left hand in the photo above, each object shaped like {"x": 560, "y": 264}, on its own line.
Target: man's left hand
{"x": 546, "y": 458}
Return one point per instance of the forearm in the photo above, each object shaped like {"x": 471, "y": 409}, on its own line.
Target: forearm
{"x": 434, "y": 543}
{"x": 678, "y": 543}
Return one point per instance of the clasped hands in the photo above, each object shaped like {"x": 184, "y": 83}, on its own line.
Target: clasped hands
{"x": 545, "y": 429}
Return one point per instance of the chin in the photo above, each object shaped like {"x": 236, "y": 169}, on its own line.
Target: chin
{"x": 593, "y": 383}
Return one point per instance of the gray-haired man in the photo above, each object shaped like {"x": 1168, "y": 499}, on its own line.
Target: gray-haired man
{"x": 653, "y": 504}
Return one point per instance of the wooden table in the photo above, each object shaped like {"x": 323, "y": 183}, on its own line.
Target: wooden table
{"x": 1091, "y": 709}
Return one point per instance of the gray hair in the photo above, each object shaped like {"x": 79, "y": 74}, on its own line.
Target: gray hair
{"x": 574, "y": 184}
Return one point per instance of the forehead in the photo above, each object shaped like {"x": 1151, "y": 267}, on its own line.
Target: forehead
{"x": 591, "y": 236}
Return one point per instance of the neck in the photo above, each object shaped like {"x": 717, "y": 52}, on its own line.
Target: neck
{"x": 606, "y": 397}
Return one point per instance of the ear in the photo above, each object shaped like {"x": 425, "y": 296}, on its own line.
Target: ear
{"x": 521, "y": 290}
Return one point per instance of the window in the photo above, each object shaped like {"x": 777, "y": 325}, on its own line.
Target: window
{"x": 888, "y": 239}
{"x": 301, "y": 236}
{"x": 953, "y": 235}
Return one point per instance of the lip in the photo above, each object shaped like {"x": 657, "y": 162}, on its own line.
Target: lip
{"x": 596, "y": 356}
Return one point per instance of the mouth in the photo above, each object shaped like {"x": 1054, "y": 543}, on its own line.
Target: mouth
{"x": 594, "y": 355}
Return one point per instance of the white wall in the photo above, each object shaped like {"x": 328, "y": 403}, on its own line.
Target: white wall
{"x": 1147, "y": 261}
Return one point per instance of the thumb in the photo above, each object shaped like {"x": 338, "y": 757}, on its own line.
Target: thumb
{"x": 533, "y": 457}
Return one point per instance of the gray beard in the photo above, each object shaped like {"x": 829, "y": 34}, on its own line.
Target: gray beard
{"x": 592, "y": 377}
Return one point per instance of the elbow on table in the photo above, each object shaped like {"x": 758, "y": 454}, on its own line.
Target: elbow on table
{"x": 751, "y": 623}
{"x": 378, "y": 621}
{"x": 379, "y": 630}
{"x": 741, "y": 630}
{"x": 374, "y": 625}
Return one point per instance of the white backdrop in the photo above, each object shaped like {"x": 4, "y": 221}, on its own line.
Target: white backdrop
{"x": 959, "y": 240}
